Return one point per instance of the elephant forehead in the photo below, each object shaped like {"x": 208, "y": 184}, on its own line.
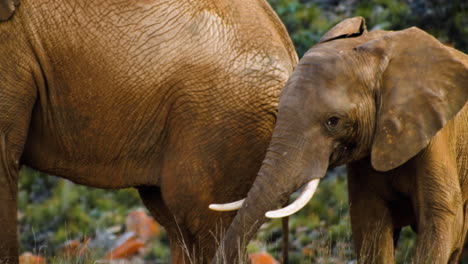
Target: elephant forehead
{"x": 329, "y": 63}
{"x": 325, "y": 72}
{"x": 322, "y": 83}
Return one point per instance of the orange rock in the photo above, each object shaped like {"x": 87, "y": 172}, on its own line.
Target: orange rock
{"x": 262, "y": 258}
{"x": 28, "y": 258}
{"x": 127, "y": 249}
{"x": 144, "y": 226}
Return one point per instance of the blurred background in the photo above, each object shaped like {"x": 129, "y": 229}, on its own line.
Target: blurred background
{"x": 68, "y": 223}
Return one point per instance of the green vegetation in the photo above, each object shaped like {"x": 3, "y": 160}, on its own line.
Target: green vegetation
{"x": 53, "y": 210}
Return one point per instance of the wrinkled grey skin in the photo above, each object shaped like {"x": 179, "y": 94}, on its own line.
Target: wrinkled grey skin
{"x": 176, "y": 98}
{"x": 392, "y": 106}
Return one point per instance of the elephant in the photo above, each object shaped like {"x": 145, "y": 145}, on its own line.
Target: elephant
{"x": 175, "y": 98}
{"x": 392, "y": 106}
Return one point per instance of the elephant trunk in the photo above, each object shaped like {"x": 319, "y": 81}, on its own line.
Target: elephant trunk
{"x": 283, "y": 172}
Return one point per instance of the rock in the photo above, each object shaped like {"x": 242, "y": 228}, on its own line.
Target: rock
{"x": 126, "y": 247}
{"x": 29, "y": 258}
{"x": 262, "y": 258}
{"x": 144, "y": 226}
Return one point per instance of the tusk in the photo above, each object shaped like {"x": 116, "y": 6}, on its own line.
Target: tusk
{"x": 297, "y": 205}
{"x": 227, "y": 206}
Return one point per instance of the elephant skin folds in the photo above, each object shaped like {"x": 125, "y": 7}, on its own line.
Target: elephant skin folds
{"x": 175, "y": 98}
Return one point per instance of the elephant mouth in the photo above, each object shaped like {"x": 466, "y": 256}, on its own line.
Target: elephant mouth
{"x": 304, "y": 197}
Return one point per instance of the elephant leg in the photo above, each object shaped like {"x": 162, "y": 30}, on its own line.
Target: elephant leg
{"x": 194, "y": 231}
{"x": 455, "y": 255}
{"x": 15, "y": 112}
{"x": 180, "y": 240}
{"x": 464, "y": 244}
{"x": 371, "y": 221}
{"x": 439, "y": 205}
{"x": 441, "y": 232}
{"x": 8, "y": 203}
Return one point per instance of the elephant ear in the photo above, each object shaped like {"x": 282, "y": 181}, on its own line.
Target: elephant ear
{"x": 423, "y": 85}
{"x": 7, "y": 8}
{"x": 350, "y": 27}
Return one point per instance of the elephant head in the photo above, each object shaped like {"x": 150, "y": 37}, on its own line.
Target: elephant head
{"x": 353, "y": 95}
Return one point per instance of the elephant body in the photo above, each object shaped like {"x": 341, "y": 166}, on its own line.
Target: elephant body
{"x": 176, "y": 98}
{"x": 429, "y": 193}
{"x": 392, "y": 106}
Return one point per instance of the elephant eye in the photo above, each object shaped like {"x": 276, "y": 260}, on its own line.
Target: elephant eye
{"x": 332, "y": 122}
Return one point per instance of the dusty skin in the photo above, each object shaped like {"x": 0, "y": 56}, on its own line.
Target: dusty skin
{"x": 175, "y": 98}
{"x": 393, "y": 107}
